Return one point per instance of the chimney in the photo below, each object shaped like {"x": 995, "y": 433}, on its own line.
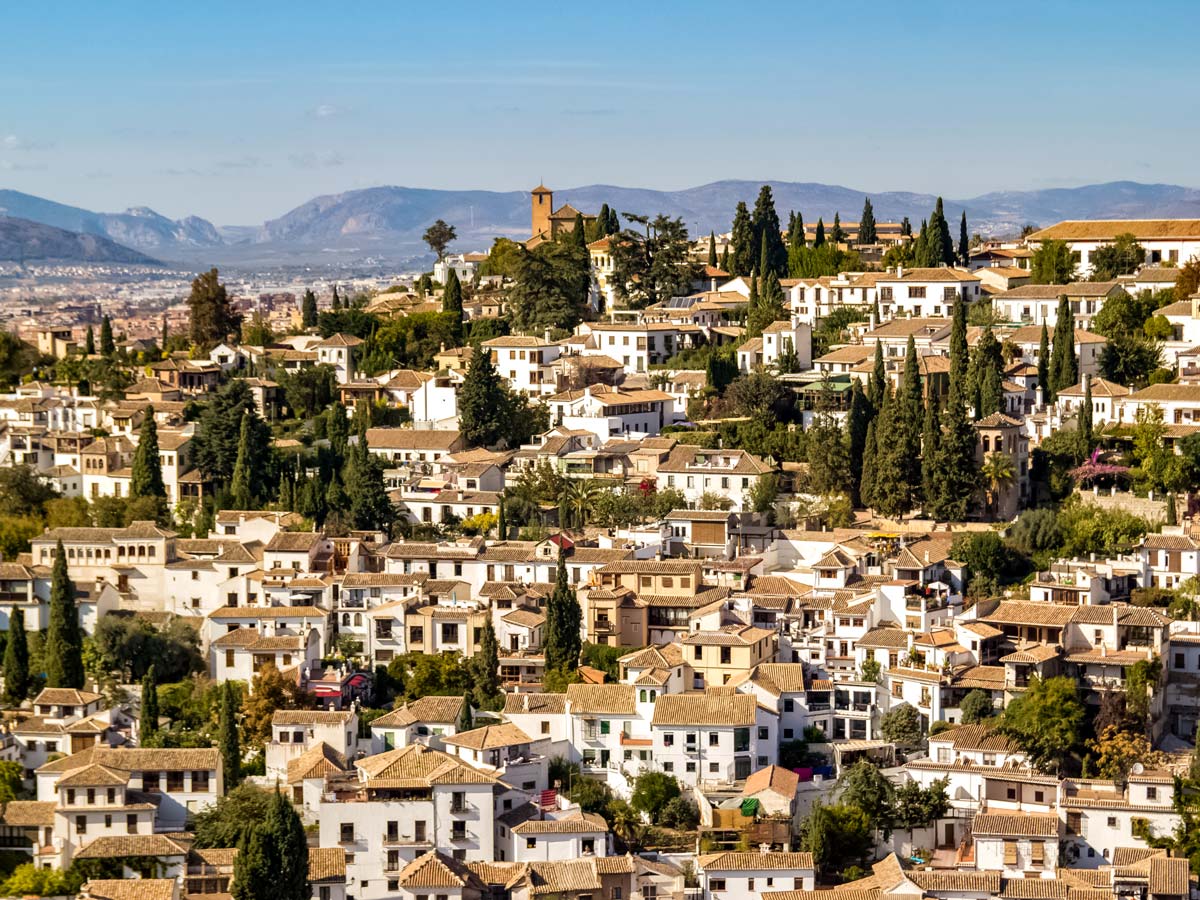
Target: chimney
{"x": 899, "y": 271}
{"x": 547, "y": 335}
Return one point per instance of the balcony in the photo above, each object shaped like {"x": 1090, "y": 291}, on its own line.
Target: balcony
{"x": 459, "y": 837}
{"x": 395, "y": 839}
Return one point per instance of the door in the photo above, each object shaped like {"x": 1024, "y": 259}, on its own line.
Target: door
{"x": 949, "y": 833}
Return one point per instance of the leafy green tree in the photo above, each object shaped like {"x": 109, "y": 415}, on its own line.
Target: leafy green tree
{"x": 149, "y": 717}
{"x": 977, "y": 706}
{"x": 901, "y": 725}
{"x": 652, "y": 791}
{"x": 257, "y": 331}
{"x": 64, "y": 638}
{"x": 742, "y": 243}
{"x": 919, "y": 807}
{"x": 1064, "y": 365}
{"x": 766, "y": 308}
{"x": 655, "y": 265}
{"x": 865, "y": 787}
{"x": 1130, "y": 359}
{"x": 829, "y": 460}
{"x": 1123, "y": 256}
{"x": 211, "y": 314}
{"x": 17, "y": 678}
{"x": 866, "y": 224}
{"x": 439, "y": 236}
{"x": 229, "y": 821}
{"x": 107, "y": 346}
{"x": 228, "y": 740}
{"x": 551, "y": 290}
{"x": 218, "y": 437}
{"x": 1086, "y": 413}
{"x": 147, "y": 479}
{"x": 838, "y": 837}
{"x": 308, "y": 309}
{"x": 1052, "y": 262}
{"x": 1046, "y": 721}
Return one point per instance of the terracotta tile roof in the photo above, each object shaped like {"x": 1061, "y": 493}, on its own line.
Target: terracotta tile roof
{"x": 974, "y": 737}
{"x": 972, "y": 882}
{"x": 129, "y": 889}
{"x": 326, "y": 864}
{"x": 489, "y": 737}
{"x": 435, "y": 870}
{"x": 317, "y": 761}
{"x": 1025, "y": 824}
{"x": 1033, "y": 654}
{"x": 988, "y": 678}
{"x": 574, "y": 823}
{"x": 414, "y": 439}
{"x": 535, "y": 704}
{"x": 1034, "y": 889}
{"x": 419, "y": 766}
{"x": 65, "y": 697}
{"x": 138, "y": 759}
{"x": 753, "y": 861}
{"x": 311, "y": 717}
{"x": 94, "y": 776}
{"x": 660, "y": 655}
{"x": 704, "y": 709}
{"x": 779, "y": 678}
{"x": 1108, "y": 229}
{"x": 111, "y": 846}
{"x": 433, "y": 709}
{"x": 1021, "y": 612}
{"x": 1169, "y": 877}
{"x": 891, "y": 638}
{"x": 602, "y": 699}
{"x": 776, "y": 779}
{"x": 28, "y": 813}
{"x": 566, "y": 877}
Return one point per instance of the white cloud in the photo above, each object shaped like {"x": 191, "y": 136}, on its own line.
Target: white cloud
{"x": 316, "y": 160}
{"x": 326, "y": 111}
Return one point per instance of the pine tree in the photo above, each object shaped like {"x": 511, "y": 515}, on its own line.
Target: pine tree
{"x": 227, "y": 737}
{"x": 866, "y": 224}
{"x": 212, "y": 317}
{"x": 483, "y": 403}
{"x": 452, "y": 301}
{"x": 17, "y": 681}
{"x": 308, "y": 309}
{"x": 240, "y": 485}
{"x": 289, "y": 850}
{"x": 1085, "y": 415}
{"x": 858, "y": 423}
{"x": 1064, "y": 366}
{"x": 819, "y": 237}
{"x": 768, "y": 234}
{"x": 89, "y": 343}
{"x": 149, "y": 717}
{"x": 959, "y": 353}
{"x": 1043, "y": 366}
{"x": 64, "y": 639}
{"x": 146, "y": 479}
{"x": 712, "y": 249}
{"x": 741, "y": 241}
{"x": 964, "y": 243}
{"x": 370, "y": 507}
{"x": 107, "y": 346}
{"x": 487, "y": 676}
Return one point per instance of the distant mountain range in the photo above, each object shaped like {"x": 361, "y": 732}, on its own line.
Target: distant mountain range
{"x": 387, "y": 222}
{"x": 24, "y": 241}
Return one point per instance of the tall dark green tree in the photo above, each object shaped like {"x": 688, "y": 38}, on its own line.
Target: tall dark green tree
{"x": 452, "y": 297}
{"x": 964, "y": 243}
{"x": 1086, "y": 414}
{"x": 837, "y": 234}
{"x": 241, "y": 486}
{"x": 905, "y": 227}
{"x": 894, "y": 491}
{"x": 878, "y": 385}
{"x": 579, "y": 231}
{"x": 911, "y": 413}
{"x": 501, "y": 519}
{"x": 563, "y": 643}
{"x": 959, "y": 354}
{"x": 212, "y": 316}
{"x": 931, "y": 440}
{"x": 712, "y": 249}
{"x": 17, "y": 680}
{"x": 254, "y": 874}
{"x": 290, "y": 849}
{"x": 858, "y": 423}
{"x": 149, "y": 716}
{"x": 1064, "y": 365}
{"x": 819, "y": 236}
{"x": 308, "y": 309}
{"x": 866, "y": 481}
{"x": 89, "y": 343}
{"x": 987, "y": 375}
{"x": 867, "y": 233}
{"x": 956, "y": 474}
{"x": 335, "y": 302}
{"x": 742, "y": 246}
{"x": 370, "y": 507}
{"x": 64, "y": 638}
{"x": 487, "y": 668}
{"x": 941, "y": 244}
{"x": 1043, "y": 366}
{"x": 228, "y": 739}
{"x": 768, "y": 234}
{"x": 107, "y": 346}
{"x": 796, "y": 236}
{"x": 483, "y": 403}
{"x": 146, "y": 479}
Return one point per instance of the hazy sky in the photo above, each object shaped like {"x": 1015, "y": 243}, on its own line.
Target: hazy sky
{"x": 240, "y": 111}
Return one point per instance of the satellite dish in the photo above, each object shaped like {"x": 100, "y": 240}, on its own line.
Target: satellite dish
{"x": 1137, "y": 769}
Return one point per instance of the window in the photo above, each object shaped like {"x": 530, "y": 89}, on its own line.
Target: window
{"x": 416, "y": 635}
{"x": 347, "y": 833}
{"x": 175, "y": 781}
{"x": 716, "y": 884}
{"x": 669, "y": 739}
{"x": 763, "y": 732}
{"x": 1151, "y": 793}
{"x": 605, "y": 726}
{"x": 199, "y": 781}
{"x": 714, "y": 739}
{"x": 668, "y": 766}
{"x": 150, "y": 782}
{"x": 916, "y": 293}
{"x": 70, "y": 796}
{"x": 714, "y": 767}
{"x": 81, "y": 824}
{"x": 589, "y": 845}
{"x": 530, "y": 843}
{"x": 131, "y": 823}
{"x": 1010, "y": 853}
{"x": 449, "y": 633}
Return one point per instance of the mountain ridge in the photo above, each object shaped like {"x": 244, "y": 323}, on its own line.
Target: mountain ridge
{"x": 22, "y": 240}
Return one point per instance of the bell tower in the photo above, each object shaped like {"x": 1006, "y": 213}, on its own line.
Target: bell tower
{"x": 541, "y": 204}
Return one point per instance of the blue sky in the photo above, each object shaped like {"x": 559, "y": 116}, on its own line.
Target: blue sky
{"x": 239, "y": 112}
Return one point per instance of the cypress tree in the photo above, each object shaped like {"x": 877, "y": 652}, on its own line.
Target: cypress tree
{"x": 893, "y": 490}
{"x": 964, "y": 244}
{"x": 987, "y": 375}
{"x": 335, "y": 500}
{"x": 931, "y": 439}
{"x": 741, "y": 239}
{"x": 866, "y": 483}
{"x": 922, "y": 258}
{"x": 712, "y": 249}
{"x": 910, "y": 385}
{"x": 858, "y": 424}
{"x": 878, "y": 386}
{"x": 337, "y": 428}
{"x": 487, "y": 685}
{"x": 146, "y": 479}
{"x": 452, "y": 301}
{"x": 1172, "y": 513}
{"x": 336, "y": 303}
{"x": 466, "y": 721}
{"x": 149, "y": 717}
{"x": 163, "y": 339}
{"x": 563, "y": 642}
{"x": 501, "y": 520}
{"x": 289, "y": 850}
{"x": 940, "y": 243}
{"x": 866, "y": 224}
{"x": 959, "y": 354}
{"x": 64, "y": 639}
{"x": 725, "y": 260}
{"x": 16, "y": 661}
{"x": 819, "y": 237}
{"x": 308, "y": 309}
{"x": 908, "y": 419}
{"x": 287, "y": 499}
{"x": 369, "y": 504}
{"x": 1043, "y": 366}
{"x": 905, "y": 227}
{"x": 956, "y": 475}
{"x": 799, "y": 239}
{"x": 241, "y": 489}
{"x": 768, "y": 234}
{"x": 107, "y": 347}
{"x": 1064, "y": 367}
{"x": 1085, "y": 415}
{"x": 579, "y": 232}
{"x": 483, "y": 403}
{"x": 89, "y": 343}
{"x": 837, "y": 236}
{"x": 255, "y": 876}
{"x": 764, "y": 260}
{"x": 227, "y": 737}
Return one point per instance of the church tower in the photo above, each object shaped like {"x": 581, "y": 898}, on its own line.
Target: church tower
{"x": 541, "y": 203}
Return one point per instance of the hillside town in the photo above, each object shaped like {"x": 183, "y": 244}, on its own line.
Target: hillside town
{"x": 847, "y": 560}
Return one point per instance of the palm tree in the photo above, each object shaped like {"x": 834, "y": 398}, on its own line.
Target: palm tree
{"x": 999, "y": 472}
{"x": 578, "y": 499}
